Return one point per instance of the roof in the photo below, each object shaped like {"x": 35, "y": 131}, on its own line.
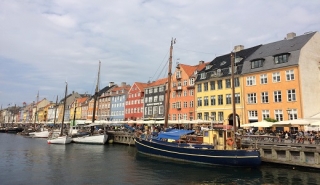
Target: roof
{"x": 189, "y": 70}
{"x": 140, "y": 85}
{"x": 268, "y": 51}
{"x": 161, "y": 81}
{"x": 223, "y": 63}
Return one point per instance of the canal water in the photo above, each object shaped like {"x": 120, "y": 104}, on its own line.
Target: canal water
{"x": 32, "y": 161}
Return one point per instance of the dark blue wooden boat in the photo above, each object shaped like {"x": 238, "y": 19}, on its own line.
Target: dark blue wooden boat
{"x": 160, "y": 146}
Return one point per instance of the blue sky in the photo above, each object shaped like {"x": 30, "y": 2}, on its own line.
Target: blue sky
{"x": 45, "y": 43}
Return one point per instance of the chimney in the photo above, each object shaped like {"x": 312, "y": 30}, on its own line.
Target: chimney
{"x": 111, "y": 84}
{"x": 290, "y": 35}
{"x": 123, "y": 84}
{"x": 238, "y": 48}
{"x": 201, "y": 62}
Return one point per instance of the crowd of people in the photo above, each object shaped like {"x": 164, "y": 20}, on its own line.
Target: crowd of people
{"x": 293, "y": 136}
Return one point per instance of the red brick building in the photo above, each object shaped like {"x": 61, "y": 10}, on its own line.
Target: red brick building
{"x": 134, "y": 102}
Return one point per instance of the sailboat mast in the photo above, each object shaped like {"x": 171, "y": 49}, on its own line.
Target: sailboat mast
{"x": 95, "y": 97}
{"x": 233, "y": 93}
{"x": 55, "y": 112}
{"x": 173, "y": 41}
{"x": 64, "y": 108}
{"x": 35, "y": 114}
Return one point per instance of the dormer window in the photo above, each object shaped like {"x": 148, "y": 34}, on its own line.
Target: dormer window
{"x": 178, "y": 74}
{"x": 218, "y": 72}
{"x": 203, "y": 76}
{"x": 223, "y": 63}
{"x": 282, "y": 58}
{"x": 208, "y": 67}
{"x": 257, "y": 63}
{"x": 195, "y": 72}
{"x": 238, "y": 59}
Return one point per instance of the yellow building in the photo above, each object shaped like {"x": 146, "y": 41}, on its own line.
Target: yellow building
{"x": 213, "y": 88}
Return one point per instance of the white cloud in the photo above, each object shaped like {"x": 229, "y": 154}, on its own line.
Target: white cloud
{"x": 44, "y": 42}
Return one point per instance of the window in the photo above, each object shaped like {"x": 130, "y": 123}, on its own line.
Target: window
{"x": 252, "y": 98}
{"x": 150, "y": 90}
{"x": 228, "y": 83}
{"x": 265, "y": 114}
{"x": 146, "y": 99}
{"x": 236, "y": 82}
{"x": 191, "y": 92}
{"x": 205, "y": 86}
{"x": 185, "y": 93}
{"x": 279, "y": 115}
{"x": 149, "y": 110}
{"x": 276, "y": 77}
{"x": 191, "y": 81}
{"x": 205, "y": 101}
{"x": 155, "y": 99}
{"x": 178, "y": 74}
{"x": 263, "y": 79}
{"x": 213, "y": 100}
{"x": 212, "y": 85}
{"x": 251, "y": 80}
{"x": 203, "y": 76}
{"x": 174, "y": 117}
{"x": 277, "y": 96}
{"x": 220, "y": 99}
{"x": 253, "y": 114}
{"x": 228, "y": 98}
{"x": 292, "y": 95}
{"x": 150, "y": 99}
{"x": 281, "y": 58}
{"x": 213, "y": 116}
{"x": 256, "y": 63}
{"x": 161, "y": 89}
{"x": 173, "y": 94}
{"x": 206, "y": 116}
{"x": 185, "y": 82}
{"x": 161, "y": 98}
{"x": 264, "y": 97}
{"x": 161, "y": 109}
{"x": 219, "y": 84}
{"x": 191, "y": 104}
{"x": 199, "y": 115}
{"x": 178, "y": 104}
{"x": 290, "y": 75}
{"x": 185, "y": 104}
{"x": 220, "y": 116}
{"x": 293, "y": 114}
{"x": 237, "y": 98}
{"x": 155, "y": 89}
{"x": 199, "y": 87}
{"x": 199, "y": 102}
{"x": 173, "y": 105}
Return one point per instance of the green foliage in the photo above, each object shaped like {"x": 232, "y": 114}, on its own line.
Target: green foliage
{"x": 270, "y": 120}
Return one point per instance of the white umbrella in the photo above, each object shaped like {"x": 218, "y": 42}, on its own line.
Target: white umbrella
{"x": 294, "y": 122}
{"x": 262, "y": 123}
{"x": 316, "y": 123}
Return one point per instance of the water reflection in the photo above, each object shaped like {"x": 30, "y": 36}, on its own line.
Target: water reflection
{"x": 33, "y": 161}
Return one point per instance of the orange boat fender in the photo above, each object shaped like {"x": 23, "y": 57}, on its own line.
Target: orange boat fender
{"x": 229, "y": 141}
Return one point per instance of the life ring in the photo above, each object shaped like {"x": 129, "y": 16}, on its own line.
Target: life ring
{"x": 229, "y": 141}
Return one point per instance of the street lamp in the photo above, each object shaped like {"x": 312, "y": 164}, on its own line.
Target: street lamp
{"x": 289, "y": 113}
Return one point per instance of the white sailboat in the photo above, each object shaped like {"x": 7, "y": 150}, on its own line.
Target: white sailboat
{"x": 60, "y": 137}
{"x": 93, "y": 138}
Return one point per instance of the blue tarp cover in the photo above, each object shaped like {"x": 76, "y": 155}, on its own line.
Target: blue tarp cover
{"x": 174, "y": 134}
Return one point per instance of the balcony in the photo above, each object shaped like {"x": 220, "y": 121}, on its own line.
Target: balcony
{"x": 178, "y": 77}
{"x": 177, "y": 88}
{"x": 178, "y": 108}
{"x": 190, "y": 87}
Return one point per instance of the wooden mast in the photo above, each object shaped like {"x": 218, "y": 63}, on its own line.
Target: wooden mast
{"x": 55, "y": 112}
{"x": 233, "y": 93}
{"x": 173, "y": 41}
{"x": 35, "y": 114}
{"x": 96, "y": 96}
{"x": 64, "y": 108}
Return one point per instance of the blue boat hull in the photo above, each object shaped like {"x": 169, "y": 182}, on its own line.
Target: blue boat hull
{"x": 241, "y": 158}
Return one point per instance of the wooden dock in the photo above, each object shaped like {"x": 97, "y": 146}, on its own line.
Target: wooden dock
{"x": 121, "y": 137}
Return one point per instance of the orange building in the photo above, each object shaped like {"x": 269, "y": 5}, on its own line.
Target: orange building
{"x": 182, "y": 97}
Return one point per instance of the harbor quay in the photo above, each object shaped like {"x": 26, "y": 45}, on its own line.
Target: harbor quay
{"x": 297, "y": 152}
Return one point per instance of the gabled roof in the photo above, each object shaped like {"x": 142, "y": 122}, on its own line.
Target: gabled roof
{"x": 189, "y": 70}
{"x": 223, "y": 63}
{"x": 140, "y": 86}
{"x": 268, "y": 51}
{"x": 105, "y": 89}
{"x": 83, "y": 99}
{"x": 161, "y": 81}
